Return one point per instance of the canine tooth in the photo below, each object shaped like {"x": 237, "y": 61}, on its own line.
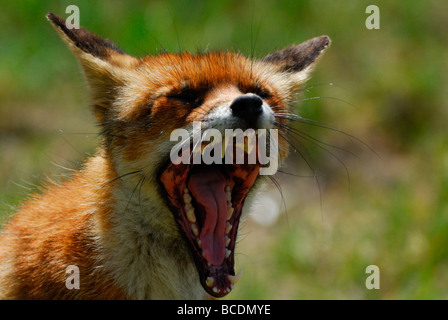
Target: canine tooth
{"x": 227, "y": 241}
{"x": 209, "y": 281}
{"x": 229, "y": 212}
{"x": 206, "y": 144}
{"x": 248, "y": 146}
{"x": 228, "y": 196}
{"x": 195, "y": 230}
{"x": 187, "y": 198}
{"x": 226, "y": 144}
{"x": 234, "y": 279}
{"x": 240, "y": 145}
{"x": 223, "y": 151}
{"x": 228, "y": 227}
{"x": 228, "y": 252}
{"x": 199, "y": 243}
{"x": 190, "y": 216}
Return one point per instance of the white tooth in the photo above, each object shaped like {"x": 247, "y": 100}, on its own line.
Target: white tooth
{"x": 187, "y": 198}
{"x": 228, "y": 227}
{"x": 203, "y": 149}
{"x": 209, "y": 281}
{"x": 216, "y": 142}
{"x": 229, "y": 213}
{"x": 188, "y": 206}
{"x": 195, "y": 230}
{"x": 190, "y": 215}
{"x": 228, "y": 290}
{"x": 227, "y": 241}
{"x": 232, "y": 286}
{"x": 225, "y": 145}
{"x": 249, "y": 146}
{"x": 186, "y": 190}
{"x": 223, "y": 151}
{"x": 239, "y": 145}
{"x": 199, "y": 243}
{"x": 228, "y": 252}
{"x": 228, "y": 189}
{"x": 228, "y": 196}
{"x": 234, "y": 279}
{"x": 215, "y": 290}
{"x": 204, "y": 145}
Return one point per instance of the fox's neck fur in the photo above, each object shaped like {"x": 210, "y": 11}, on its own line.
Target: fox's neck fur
{"x": 122, "y": 249}
{"x": 144, "y": 254}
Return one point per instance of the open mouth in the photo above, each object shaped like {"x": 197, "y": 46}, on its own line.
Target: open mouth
{"x": 206, "y": 201}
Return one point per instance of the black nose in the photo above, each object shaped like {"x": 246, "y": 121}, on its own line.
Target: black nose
{"x": 247, "y": 107}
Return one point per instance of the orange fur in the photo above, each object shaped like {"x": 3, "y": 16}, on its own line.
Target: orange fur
{"x": 110, "y": 219}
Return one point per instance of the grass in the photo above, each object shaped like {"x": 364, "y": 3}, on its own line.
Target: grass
{"x": 385, "y": 87}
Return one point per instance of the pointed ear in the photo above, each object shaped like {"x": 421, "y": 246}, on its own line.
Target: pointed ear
{"x": 106, "y": 66}
{"x": 297, "y": 61}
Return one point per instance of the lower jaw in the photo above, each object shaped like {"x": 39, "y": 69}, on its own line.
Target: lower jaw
{"x": 216, "y": 277}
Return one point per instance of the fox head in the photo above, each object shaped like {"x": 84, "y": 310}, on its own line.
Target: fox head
{"x": 139, "y": 102}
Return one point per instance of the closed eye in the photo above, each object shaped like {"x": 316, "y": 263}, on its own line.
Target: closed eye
{"x": 263, "y": 94}
{"x": 187, "y": 96}
{"x": 258, "y": 90}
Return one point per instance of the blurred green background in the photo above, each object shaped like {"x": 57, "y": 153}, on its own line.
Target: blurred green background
{"x": 380, "y": 198}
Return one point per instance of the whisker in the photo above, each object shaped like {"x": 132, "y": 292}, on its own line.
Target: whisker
{"x": 294, "y": 117}
{"x": 308, "y": 88}
{"x": 140, "y": 181}
{"x": 315, "y": 176}
{"x": 279, "y": 188}
{"x": 294, "y": 174}
{"x": 303, "y": 135}
{"x": 316, "y": 143}
{"x": 299, "y": 152}
{"x": 121, "y": 176}
{"x": 140, "y": 194}
{"x": 322, "y": 97}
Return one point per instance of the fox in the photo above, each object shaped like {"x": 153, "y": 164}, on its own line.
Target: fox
{"x": 133, "y": 223}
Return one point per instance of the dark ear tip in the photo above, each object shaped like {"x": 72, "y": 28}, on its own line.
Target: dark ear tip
{"x": 51, "y": 16}
{"x": 55, "y": 20}
{"x": 323, "y": 41}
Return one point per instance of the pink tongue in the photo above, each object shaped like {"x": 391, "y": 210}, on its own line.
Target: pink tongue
{"x": 208, "y": 188}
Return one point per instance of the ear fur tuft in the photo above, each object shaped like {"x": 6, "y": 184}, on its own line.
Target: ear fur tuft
{"x": 84, "y": 40}
{"x": 106, "y": 67}
{"x": 296, "y": 58}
